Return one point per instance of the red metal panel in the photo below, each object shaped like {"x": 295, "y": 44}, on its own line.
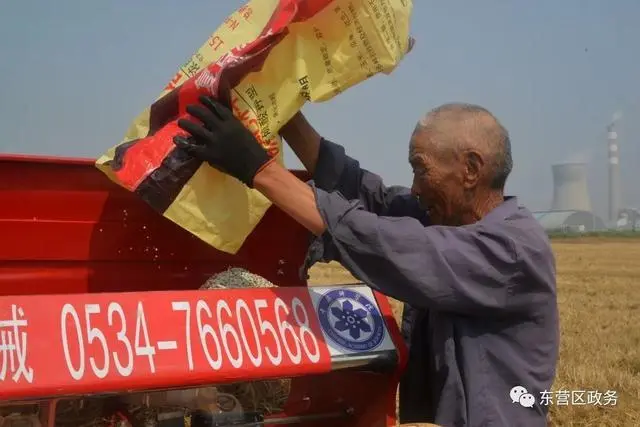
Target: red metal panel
{"x": 70, "y": 229}
{"x": 65, "y": 229}
{"x": 97, "y": 343}
{"x": 388, "y": 387}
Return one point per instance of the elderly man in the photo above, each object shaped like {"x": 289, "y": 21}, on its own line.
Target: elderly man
{"x": 476, "y": 271}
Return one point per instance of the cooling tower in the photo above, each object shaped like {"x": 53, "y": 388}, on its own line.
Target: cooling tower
{"x": 570, "y": 190}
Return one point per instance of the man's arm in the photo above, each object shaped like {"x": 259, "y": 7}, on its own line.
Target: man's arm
{"x": 303, "y": 139}
{"x": 467, "y": 270}
{"x": 291, "y": 195}
{"x": 333, "y": 170}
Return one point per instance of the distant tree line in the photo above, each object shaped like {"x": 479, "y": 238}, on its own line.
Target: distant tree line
{"x": 630, "y": 234}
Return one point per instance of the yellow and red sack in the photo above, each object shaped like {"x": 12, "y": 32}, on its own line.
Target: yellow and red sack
{"x": 270, "y": 57}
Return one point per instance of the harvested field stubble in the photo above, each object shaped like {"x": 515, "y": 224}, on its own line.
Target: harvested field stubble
{"x": 599, "y": 298}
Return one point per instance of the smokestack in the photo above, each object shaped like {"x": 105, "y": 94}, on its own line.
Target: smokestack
{"x": 570, "y": 187}
{"x": 614, "y": 173}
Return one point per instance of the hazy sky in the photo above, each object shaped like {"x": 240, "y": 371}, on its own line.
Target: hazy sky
{"x": 75, "y": 73}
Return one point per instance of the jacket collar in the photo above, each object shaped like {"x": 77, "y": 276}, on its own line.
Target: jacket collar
{"x": 503, "y": 211}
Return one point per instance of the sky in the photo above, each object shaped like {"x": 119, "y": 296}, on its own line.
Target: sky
{"x": 75, "y": 73}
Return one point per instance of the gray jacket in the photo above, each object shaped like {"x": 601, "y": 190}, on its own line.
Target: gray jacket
{"x": 480, "y": 312}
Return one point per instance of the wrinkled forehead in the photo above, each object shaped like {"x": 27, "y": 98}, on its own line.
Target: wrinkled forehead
{"x": 420, "y": 144}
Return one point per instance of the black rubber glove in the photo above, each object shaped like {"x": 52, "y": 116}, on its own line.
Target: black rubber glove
{"x": 222, "y": 141}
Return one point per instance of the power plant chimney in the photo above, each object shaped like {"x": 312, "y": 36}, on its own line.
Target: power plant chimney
{"x": 570, "y": 187}
{"x": 614, "y": 171}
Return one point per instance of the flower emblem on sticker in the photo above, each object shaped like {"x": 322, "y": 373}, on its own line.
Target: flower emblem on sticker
{"x": 351, "y": 320}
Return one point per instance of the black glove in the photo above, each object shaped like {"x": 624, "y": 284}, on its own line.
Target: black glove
{"x": 222, "y": 141}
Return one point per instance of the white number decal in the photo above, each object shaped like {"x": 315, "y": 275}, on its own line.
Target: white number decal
{"x": 225, "y": 330}
{"x": 305, "y": 331}
{"x": 285, "y": 326}
{"x": 266, "y": 326}
{"x": 125, "y": 371}
{"x": 68, "y": 310}
{"x": 232, "y": 342}
{"x": 148, "y": 350}
{"x": 242, "y": 306}
{"x": 184, "y": 306}
{"x": 208, "y": 330}
{"x": 95, "y": 333}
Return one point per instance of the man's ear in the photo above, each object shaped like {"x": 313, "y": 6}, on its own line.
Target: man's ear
{"x": 474, "y": 163}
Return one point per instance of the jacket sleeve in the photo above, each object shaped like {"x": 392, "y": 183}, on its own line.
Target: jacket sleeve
{"x": 335, "y": 171}
{"x": 471, "y": 270}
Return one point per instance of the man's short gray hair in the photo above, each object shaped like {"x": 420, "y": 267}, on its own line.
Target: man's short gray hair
{"x": 461, "y": 125}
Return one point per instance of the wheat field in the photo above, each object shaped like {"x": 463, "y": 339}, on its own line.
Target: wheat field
{"x": 599, "y": 297}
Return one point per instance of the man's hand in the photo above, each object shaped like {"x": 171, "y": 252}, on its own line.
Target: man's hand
{"x": 222, "y": 141}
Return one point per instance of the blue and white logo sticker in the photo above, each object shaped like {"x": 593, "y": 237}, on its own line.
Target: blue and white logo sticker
{"x": 351, "y": 320}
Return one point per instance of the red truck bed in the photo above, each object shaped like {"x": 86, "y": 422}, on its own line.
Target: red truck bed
{"x": 98, "y": 297}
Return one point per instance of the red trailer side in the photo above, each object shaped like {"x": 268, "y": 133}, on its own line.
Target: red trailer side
{"x": 81, "y": 259}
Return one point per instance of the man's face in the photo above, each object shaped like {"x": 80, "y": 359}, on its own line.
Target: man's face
{"x": 437, "y": 181}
